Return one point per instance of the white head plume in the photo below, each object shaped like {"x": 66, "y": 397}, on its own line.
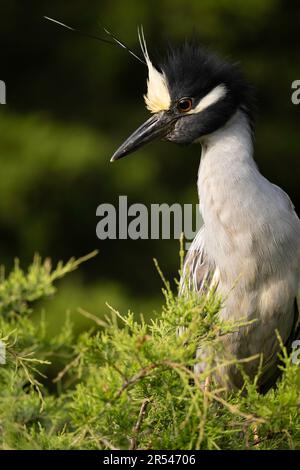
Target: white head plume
{"x": 158, "y": 96}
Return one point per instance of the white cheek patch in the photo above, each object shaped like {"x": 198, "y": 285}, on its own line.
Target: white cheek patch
{"x": 158, "y": 96}
{"x": 212, "y": 97}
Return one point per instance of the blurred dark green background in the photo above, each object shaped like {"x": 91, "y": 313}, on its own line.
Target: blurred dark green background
{"x": 71, "y": 101}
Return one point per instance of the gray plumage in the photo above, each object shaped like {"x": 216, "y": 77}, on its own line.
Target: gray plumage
{"x": 249, "y": 247}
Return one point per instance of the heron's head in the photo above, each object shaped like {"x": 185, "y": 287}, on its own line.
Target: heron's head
{"x": 190, "y": 94}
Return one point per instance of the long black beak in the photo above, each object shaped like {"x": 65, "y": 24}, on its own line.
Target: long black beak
{"x": 156, "y": 127}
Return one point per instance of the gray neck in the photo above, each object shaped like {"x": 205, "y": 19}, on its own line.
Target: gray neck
{"x": 226, "y": 165}
{"x": 228, "y": 184}
{"x": 249, "y": 223}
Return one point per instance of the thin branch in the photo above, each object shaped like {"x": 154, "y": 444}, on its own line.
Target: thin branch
{"x": 137, "y": 427}
{"x": 92, "y": 317}
{"x": 71, "y": 364}
{"x": 139, "y": 375}
{"x": 107, "y": 444}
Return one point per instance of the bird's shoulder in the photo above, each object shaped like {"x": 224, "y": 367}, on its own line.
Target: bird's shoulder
{"x": 284, "y": 196}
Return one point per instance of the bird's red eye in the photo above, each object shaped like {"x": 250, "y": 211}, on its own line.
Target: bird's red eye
{"x": 184, "y": 105}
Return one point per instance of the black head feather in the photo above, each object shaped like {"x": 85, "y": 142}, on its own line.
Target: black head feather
{"x": 192, "y": 71}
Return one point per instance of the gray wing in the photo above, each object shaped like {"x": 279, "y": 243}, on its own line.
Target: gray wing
{"x": 296, "y": 334}
{"x": 197, "y": 271}
{"x": 273, "y": 372}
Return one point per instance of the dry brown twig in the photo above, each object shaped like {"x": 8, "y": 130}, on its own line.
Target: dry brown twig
{"x": 139, "y": 375}
{"x": 137, "y": 427}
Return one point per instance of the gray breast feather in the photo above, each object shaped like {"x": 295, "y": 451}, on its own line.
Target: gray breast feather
{"x": 198, "y": 273}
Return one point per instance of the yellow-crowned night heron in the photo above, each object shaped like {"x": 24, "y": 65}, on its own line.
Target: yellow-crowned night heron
{"x": 249, "y": 244}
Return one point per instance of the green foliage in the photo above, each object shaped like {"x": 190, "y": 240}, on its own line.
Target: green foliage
{"x": 127, "y": 384}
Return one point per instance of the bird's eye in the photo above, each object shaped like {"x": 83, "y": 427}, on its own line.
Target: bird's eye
{"x": 184, "y": 105}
